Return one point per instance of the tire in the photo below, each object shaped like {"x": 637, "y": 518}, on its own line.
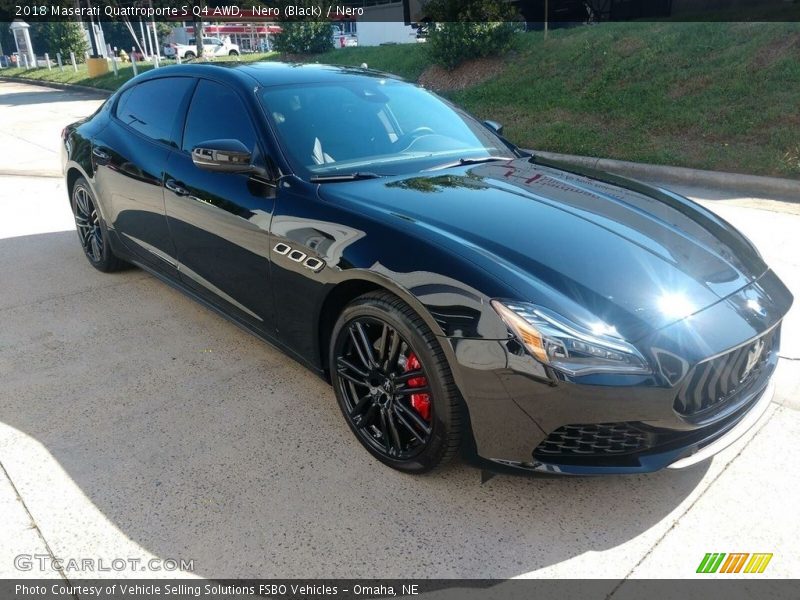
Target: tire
{"x": 92, "y": 231}
{"x": 410, "y": 431}
{"x": 189, "y": 56}
{"x": 233, "y": 53}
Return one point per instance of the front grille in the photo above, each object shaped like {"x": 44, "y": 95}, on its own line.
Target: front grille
{"x": 602, "y": 439}
{"x": 725, "y": 379}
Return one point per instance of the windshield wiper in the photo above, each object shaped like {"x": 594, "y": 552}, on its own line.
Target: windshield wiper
{"x": 344, "y": 177}
{"x": 468, "y": 161}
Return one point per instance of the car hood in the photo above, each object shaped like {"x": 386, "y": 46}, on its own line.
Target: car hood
{"x": 584, "y": 243}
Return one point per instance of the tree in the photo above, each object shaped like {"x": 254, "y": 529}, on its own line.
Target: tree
{"x": 304, "y": 37}
{"x": 6, "y": 39}
{"x": 59, "y": 36}
{"x": 466, "y": 29}
{"x": 469, "y": 11}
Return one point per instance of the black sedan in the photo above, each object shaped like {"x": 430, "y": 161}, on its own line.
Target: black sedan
{"x": 459, "y": 294}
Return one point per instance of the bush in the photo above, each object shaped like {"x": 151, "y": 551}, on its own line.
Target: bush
{"x": 450, "y": 44}
{"x": 56, "y": 36}
{"x": 465, "y": 29}
{"x": 304, "y": 37}
{"x": 470, "y": 11}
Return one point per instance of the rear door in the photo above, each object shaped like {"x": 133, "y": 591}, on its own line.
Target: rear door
{"x": 130, "y": 156}
{"x": 220, "y": 221}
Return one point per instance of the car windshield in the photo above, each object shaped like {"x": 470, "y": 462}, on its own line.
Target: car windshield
{"x": 381, "y": 125}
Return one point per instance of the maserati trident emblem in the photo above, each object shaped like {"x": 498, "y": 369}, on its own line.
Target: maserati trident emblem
{"x": 752, "y": 358}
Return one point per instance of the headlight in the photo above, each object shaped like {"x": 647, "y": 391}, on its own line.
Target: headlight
{"x": 565, "y": 346}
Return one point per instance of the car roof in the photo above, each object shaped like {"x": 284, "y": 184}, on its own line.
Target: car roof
{"x": 278, "y": 73}
{"x": 268, "y": 73}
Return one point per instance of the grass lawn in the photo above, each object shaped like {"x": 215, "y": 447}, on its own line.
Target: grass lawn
{"x": 109, "y": 81}
{"x": 721, "y": 96}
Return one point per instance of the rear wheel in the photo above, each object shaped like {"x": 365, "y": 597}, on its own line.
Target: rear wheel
{"x": 394, "y": 385}
{"x": 233, "y": 53}
{"x": 92, "y": 232}
{"x": 189, "y": 56}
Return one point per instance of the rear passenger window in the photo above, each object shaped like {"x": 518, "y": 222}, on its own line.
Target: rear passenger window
{"x": 217, "y": 113}
{"x": 152, "y": 107}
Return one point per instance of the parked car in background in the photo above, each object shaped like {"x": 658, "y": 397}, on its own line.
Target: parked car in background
{"x": 212, "y": 46}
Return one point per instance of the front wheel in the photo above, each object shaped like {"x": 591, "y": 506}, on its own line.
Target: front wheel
{"x": 233, "y": 53}
{"x": 394, "y": 385}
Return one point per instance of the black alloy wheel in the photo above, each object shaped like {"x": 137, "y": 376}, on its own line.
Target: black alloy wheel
{"x": 393, "y": 384}
{"x": 91, "y": 230}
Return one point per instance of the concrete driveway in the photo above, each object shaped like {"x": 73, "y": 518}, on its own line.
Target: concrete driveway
{"x": 136, "y": 424}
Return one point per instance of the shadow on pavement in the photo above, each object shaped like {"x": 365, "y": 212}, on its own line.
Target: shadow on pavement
{"x": 197, "y": 440}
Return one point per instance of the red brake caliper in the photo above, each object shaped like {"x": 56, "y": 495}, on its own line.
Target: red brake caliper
{"x": 419, "y": 402}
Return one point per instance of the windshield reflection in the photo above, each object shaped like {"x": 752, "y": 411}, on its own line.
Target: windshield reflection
{"x": 385, "y": 125}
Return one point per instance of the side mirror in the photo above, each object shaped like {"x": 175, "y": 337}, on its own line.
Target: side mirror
{"x": 494, "y": 126}
{"x": 223, "y": 156}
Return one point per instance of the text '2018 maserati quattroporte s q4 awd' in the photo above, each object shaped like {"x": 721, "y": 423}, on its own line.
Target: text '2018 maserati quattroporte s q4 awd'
{"x": 459, "y": 293}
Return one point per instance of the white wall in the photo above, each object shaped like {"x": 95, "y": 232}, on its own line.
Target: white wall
{"x": 375, "y": 33}
{"x": 383, "y": 24}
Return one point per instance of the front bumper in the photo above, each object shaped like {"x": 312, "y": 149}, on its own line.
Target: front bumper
{"x": 754, "y": 415}
{"x": 529, "y": 418}
{"x": 676, "y": 448}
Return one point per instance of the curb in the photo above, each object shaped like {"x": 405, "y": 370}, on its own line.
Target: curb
{"x": 756, "y": 185}
{"x": 59, "y": 86}
{"x": 50, "y": 173}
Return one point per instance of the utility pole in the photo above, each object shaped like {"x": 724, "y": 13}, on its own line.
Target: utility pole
{"x": 149, "y": 37}
{"x": 156, "y": 47}
{"x": 144, "y": 37}
{"x": 546, "y": 17}
{"x": 92, "y": 36}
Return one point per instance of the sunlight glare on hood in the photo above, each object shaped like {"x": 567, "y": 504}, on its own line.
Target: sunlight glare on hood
{"x": 675, "y": 305}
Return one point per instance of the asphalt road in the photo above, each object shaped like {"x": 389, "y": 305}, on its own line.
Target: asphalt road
{"x": 134, "y": 423}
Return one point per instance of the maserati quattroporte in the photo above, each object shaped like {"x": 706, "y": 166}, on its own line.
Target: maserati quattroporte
{"x": 460, "y": 295}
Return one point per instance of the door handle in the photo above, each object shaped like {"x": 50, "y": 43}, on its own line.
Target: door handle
{"x": 101, "y": 155}
{"x": 176, "y": 188}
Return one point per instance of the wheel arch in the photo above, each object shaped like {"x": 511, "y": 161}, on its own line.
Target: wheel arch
{"x": 75, "y": 171}
{"x": 357, "y": 285}
{"x": 73, "y": 174}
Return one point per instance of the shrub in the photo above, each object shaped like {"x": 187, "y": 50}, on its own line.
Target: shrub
{"x": 56, "y": 36}
{"x": 470, "y": 11}
{"x": 450, "y": 44}
{"x": 466, "y": 29}
{"x": 304, "y": 37}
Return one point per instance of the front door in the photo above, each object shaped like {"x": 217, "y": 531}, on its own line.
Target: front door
{"x": 220, "y": 221}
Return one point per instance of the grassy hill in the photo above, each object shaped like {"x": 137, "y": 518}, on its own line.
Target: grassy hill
{"x": 722, "y": 96}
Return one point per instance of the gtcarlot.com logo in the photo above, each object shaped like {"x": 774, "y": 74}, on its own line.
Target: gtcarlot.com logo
{"x": 735, "y": 562}
{"x": 45, "y": 562}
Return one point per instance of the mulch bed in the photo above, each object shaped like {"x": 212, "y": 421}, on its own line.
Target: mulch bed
{"x": 469, "y": 73}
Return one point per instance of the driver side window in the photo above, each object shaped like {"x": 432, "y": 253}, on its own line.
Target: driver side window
{"x": 203, "y": 122}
